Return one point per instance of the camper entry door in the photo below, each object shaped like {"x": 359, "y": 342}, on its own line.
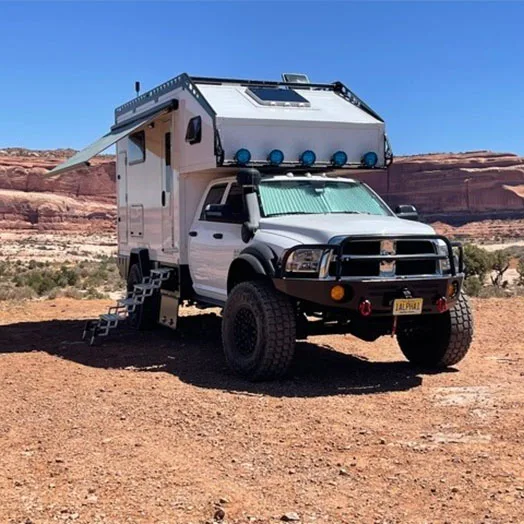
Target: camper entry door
{"x": 168, "y": 230}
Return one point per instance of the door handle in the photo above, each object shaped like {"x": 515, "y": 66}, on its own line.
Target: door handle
{"x": 163, "y": 199}
{"x": 193, "y": 233}
{"x": 218, "y": 235}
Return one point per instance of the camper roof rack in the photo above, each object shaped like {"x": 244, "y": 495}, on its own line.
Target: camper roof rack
{"x": 190, "y": 82}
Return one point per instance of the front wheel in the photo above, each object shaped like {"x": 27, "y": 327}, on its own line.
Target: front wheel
{"x": 258, "y": 331}
{"x": 439, "y": 341}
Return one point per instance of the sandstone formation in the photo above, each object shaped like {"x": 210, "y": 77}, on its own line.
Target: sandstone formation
{"x": 455, "y": 188}
{"x": 83, "y": 199}
{"x": 473, "y": 187}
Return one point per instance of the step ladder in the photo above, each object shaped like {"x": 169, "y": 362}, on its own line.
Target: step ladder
{"x": 101, "y": 326}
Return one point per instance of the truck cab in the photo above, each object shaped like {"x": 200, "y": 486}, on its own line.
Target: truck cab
{"x": 343, "y": 259}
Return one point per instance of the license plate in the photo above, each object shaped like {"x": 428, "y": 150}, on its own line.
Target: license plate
{"x": 407, "y": 306}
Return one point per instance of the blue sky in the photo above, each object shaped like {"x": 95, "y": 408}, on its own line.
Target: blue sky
{"x": 446, "y": 76}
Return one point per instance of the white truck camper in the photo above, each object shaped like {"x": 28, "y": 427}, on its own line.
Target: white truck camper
{"x": 239, "y": 194}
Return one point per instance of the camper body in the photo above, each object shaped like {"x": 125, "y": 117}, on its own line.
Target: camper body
{"x": 241, "y": 192}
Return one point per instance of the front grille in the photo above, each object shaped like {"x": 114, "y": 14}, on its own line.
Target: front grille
{"x": 360, "y": 267}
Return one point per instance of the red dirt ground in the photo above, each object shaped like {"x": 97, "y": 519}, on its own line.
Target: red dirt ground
{"x": 153, "y": 428}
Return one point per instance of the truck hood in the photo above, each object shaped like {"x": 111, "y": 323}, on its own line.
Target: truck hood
{"x": 319, "y": 229}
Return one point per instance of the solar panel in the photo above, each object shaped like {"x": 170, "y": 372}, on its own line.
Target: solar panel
{"x": 275, "y": 96}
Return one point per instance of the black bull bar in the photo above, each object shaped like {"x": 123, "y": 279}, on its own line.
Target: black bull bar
{"x": 338, "y": 250}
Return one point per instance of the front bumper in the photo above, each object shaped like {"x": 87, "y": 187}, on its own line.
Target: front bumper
{"x": 379, "y": 289}
{"x": 380, "y": 292}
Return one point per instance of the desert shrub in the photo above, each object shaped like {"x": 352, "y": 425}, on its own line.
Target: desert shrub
{"x": 93, "y": 293}
{"x": 16, "y": 293}
{"x": 473, "y": 286}
{"x": 520, "y": 271}
{"x": 477, "y": 262}
{"x": 499, "y": 264}
{"x": 494, "y": 291}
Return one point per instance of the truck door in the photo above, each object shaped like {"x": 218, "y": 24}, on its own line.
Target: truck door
{"x": 121, "y": 171}
{"x": 168, "y": 229}
{"x": 213, "y": 244}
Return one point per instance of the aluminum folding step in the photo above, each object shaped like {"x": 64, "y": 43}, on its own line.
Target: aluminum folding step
{"x": 124, "y": 306}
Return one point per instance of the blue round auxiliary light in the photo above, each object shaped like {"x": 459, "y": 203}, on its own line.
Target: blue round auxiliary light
{"x": 308, "y": 158}
{"x": 370, "y": 159}
{"x": 339, "y": 159}
{"x": 276, "y": 157}
{"x": 242, "y": 157}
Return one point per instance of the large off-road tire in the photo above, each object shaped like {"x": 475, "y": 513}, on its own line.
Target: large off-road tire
{"x": 439, "y": 341}
{"x": 145, "y": 316}
{"x": 258, "y": 331}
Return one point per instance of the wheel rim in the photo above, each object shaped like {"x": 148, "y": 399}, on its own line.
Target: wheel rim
{"x": 245, "y": 331}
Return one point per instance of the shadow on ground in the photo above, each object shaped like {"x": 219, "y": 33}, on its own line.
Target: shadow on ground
{"x": 194, "y": 354}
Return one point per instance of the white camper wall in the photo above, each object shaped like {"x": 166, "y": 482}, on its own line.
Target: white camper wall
{"x": 194, "y": 157}
{"x": 144, "y": 184}
{"x": 189, "y": 157}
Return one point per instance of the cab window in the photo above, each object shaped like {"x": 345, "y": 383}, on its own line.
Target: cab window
{"x": 214, "y": 196}
{"x": 235, "y": 200}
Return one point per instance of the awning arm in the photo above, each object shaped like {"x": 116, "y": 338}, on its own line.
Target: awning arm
{"x": 117, "y": 132}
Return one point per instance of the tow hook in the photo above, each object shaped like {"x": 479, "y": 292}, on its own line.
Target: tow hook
{"x": 442, "y": 305}
{"x": 365, "y": 307}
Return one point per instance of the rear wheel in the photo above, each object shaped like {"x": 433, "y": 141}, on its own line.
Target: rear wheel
{"x": 439, "y": 340}
{"x": 258, "y": 331}
{"x": 145, "y": 316}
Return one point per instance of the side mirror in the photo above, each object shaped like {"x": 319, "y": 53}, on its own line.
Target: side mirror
{"x": 407, "y": 212}
{"x": 218, "y": 212}
{"x": 248, "y": 177}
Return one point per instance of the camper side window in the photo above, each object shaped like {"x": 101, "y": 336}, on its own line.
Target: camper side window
{"x": 136, "y": 148}
{"x": 194, "y": 131}
{"x": 214, "y": 196}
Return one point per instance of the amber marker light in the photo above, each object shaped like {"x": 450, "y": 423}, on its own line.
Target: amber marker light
{"x": 338, "y": 293}
{"x": 453, "y": 288}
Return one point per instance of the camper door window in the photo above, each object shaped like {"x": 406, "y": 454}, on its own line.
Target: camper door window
{"x": 136, "y": 148}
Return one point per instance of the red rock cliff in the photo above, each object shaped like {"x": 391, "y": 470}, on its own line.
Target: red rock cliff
{"x": 30, "y": 199}
{"x": 455, "y": 187}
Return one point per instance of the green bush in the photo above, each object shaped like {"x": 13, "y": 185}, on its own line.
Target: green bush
{"x": 53, "y": 280}
{"x": 499, "y": 264}
{"x": 477, "y": 262}
{"x": 473, "y": 286}
{"x": 520, "y": 271}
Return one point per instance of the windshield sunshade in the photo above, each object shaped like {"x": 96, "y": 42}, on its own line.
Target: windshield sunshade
{"x": 304, "y": 197}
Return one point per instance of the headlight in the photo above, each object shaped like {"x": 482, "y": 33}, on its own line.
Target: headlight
{"x": 304, "y": 261}
{"x": 445, "y": 266}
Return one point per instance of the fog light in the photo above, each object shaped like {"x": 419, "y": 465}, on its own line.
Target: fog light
{"x": 338, "y": 293}
{"x": 442, "y": 305}
{"x": 365, "y": 308}
{"x": 453, "y": 289}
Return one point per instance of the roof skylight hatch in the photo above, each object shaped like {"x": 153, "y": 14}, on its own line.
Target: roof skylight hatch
{"x": 274, "y": 96}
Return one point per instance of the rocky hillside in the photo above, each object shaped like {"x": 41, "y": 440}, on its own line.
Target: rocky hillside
{"x": 450, "y": 188}
{"x": 456, "y": 188}
{"x": 83, "y": 199}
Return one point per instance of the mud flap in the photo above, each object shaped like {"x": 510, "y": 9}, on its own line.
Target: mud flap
{"x": 169, "y": 304}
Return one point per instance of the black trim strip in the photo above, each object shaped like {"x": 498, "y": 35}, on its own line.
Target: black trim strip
{"x": 172, "y": 105}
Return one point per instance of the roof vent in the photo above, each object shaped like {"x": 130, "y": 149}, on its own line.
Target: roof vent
{"x": 295, "y": 78}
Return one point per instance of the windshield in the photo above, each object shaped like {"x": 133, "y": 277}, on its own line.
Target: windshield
{"x": 304, "y": 197}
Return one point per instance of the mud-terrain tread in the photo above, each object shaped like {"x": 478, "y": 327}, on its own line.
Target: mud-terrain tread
{"x": 279, "y": 329}
{"x": 447, "y": 343}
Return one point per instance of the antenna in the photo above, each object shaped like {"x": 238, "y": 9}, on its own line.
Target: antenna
{"x": 137, "y": 88}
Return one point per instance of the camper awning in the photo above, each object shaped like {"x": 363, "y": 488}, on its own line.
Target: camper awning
{"x": 119, "y": 131}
